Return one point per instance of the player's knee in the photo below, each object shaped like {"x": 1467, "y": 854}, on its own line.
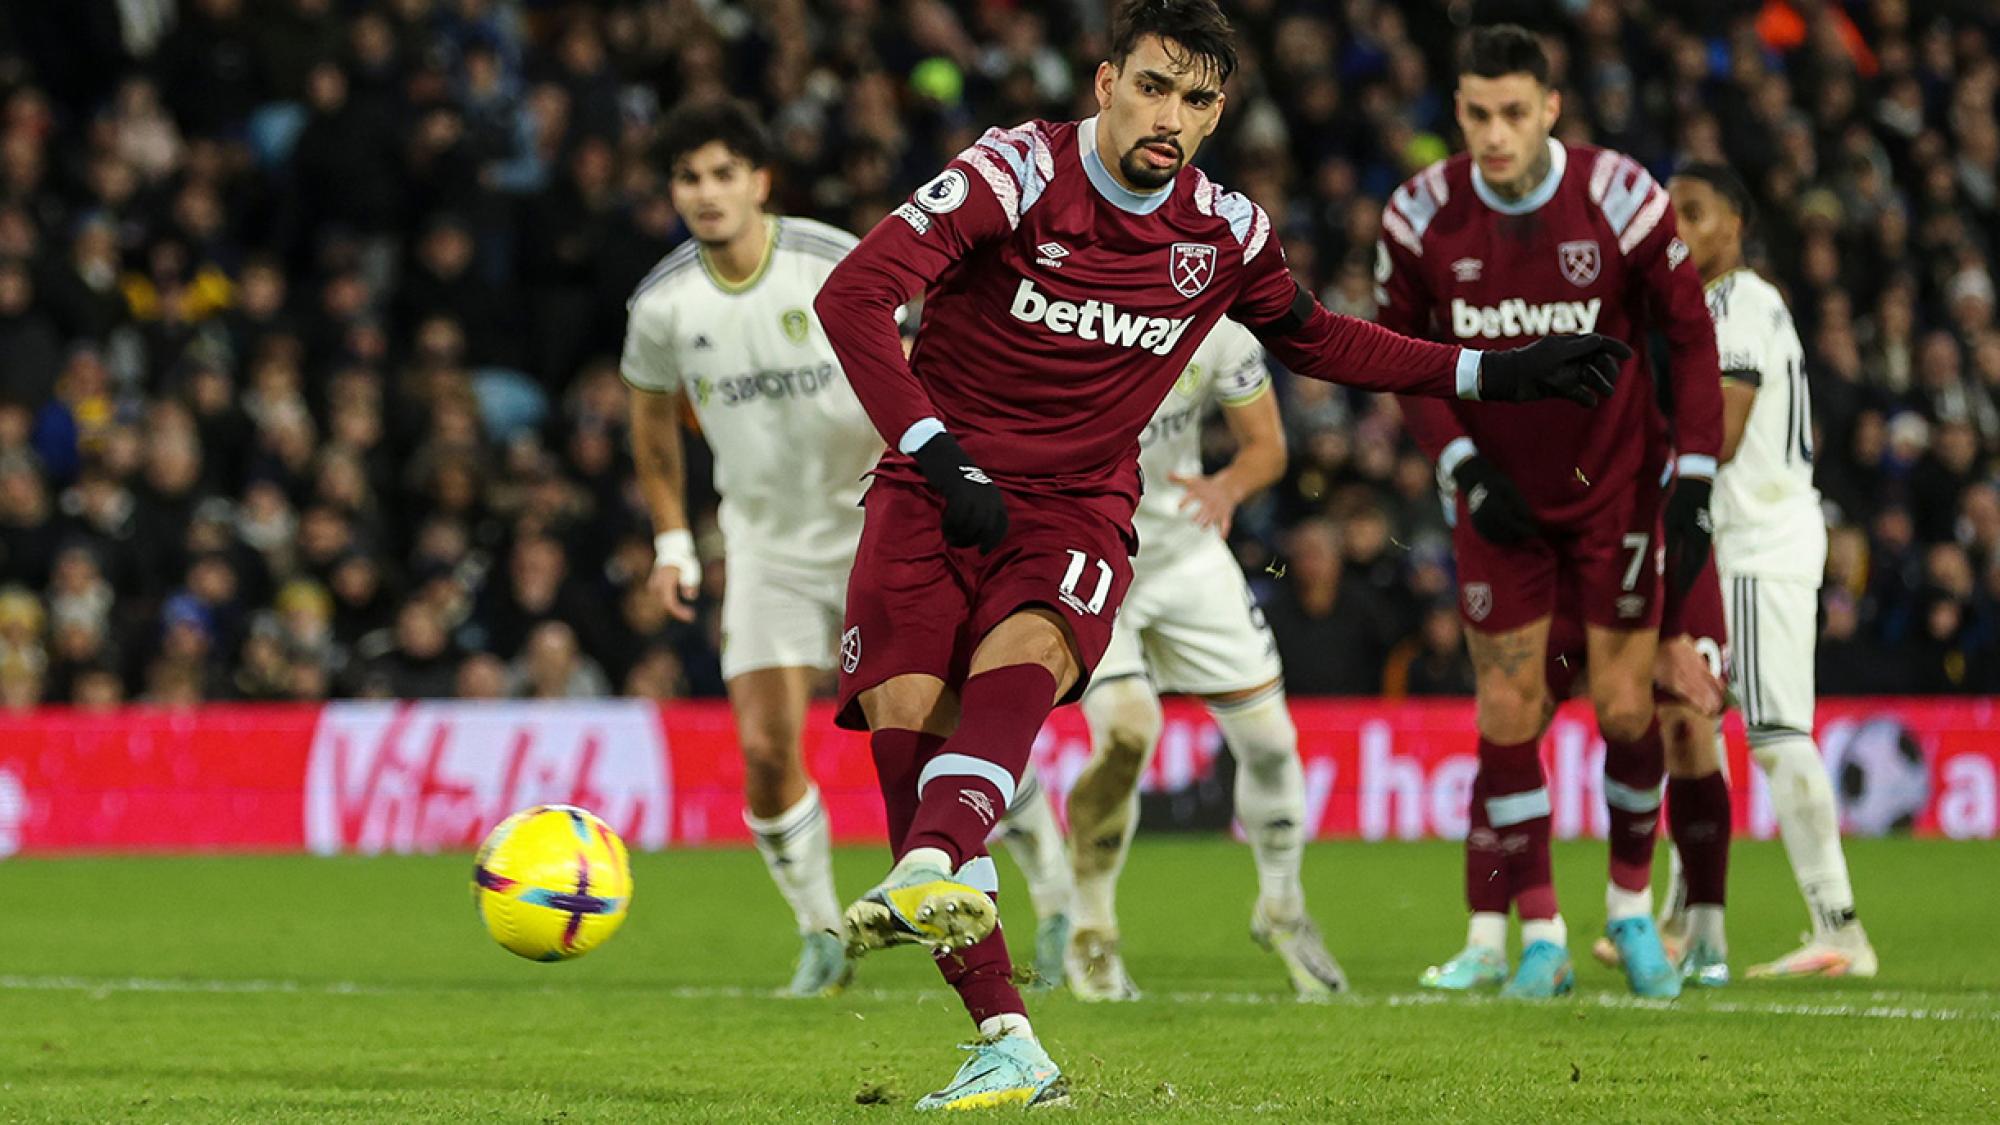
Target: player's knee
{"x": 1690, "y": 743}
{"x": 1125, "y": 717}
{"x": 770, "y": 755}
{"x": 1623, "y": 714}
{"x": 1511, "y": 710}
{"x": 918, "y": 703}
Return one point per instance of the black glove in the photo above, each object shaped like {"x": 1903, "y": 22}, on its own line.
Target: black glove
{"x": 1689, "y": 528}
{"x": 1582, "y": 369}
{"x": 975, "y": 515}
{"x": 1499, "y": 513}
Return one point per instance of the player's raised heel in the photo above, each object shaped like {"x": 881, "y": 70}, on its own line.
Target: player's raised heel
{"x": 920, "y": 905}
{"x": 1474, "y": 967}
{"x": 1297, "y": 942}
{"x": 1095, "y": 971}
{"x": 1011, "y": 1070}
{"x": 823, "y": 968}
{"x": 1545, "y": 973}
{"x": 1647, "y": 970}
{"x": 1051, "y": 941}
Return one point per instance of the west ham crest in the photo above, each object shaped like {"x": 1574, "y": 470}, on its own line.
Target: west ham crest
{"x": 1478, "y": 600}
{"x": 1191, "y": 265}
{"x": 1580, "y": 261}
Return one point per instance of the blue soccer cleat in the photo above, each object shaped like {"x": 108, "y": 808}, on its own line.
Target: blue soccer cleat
{"x": 1011, "y": 1070}
{"x": 1647, "y": 969}
{"x": 1475, "y": 966}
{"x": 823, "y": 968}
{"x": 1545, "y": 973}
{"x": 1705, "y": 966}
{"x": 1051, "y": 941}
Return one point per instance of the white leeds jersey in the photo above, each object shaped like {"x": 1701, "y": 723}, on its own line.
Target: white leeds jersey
{"x": 1227, "y": 369}
{"x": 791, "y": 442}
{"x": 1768, "y": 522}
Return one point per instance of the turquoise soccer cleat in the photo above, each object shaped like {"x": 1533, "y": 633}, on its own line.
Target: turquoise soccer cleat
{"x": 1545, "y": 973}
{"x": 1051, "y": 940}
{"x": 919, "y": 904}
{"x": 1475, "y": 966}
{"x": 1705, "y": 966}
{"x": 1011, "y": 1070}
{"x": 823, "y": 967}
{"x": 1647, "y": 969}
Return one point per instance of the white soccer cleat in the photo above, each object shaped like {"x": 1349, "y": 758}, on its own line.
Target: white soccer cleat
{"x": 1095, "y": 971}
{"x": 1297, "y": 942}
{"x": 1843, "y": 953}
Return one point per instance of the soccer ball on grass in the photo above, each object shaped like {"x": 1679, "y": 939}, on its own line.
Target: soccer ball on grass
{"x": 552, "y": 883}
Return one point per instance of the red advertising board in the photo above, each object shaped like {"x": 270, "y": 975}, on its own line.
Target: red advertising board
{"x": 403, "y": 777}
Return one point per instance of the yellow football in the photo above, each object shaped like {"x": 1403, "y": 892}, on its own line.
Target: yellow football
{"x": 552, "y": 882}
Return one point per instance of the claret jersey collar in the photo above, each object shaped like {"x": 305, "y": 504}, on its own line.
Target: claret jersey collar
{"x": 1107, "y": 185}
{"x": 1545, "y": 191}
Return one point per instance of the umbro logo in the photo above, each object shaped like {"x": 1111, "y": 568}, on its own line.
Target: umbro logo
{"x": 1467, "y": 269}
{"x": 974, "y": 474}
{"x": 978, "y": 802}
{"x": 702, "y": 342}
{"x": 1049, "y": 255}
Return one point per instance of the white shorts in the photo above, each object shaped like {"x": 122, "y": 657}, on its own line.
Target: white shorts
{"x": 1190, "y": 622}
{"x": 1773, "y": 625}
{"x": 779, "y": 617}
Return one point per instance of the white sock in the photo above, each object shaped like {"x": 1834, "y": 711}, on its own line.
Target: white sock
{"x": 1705, "y": 926}
{"x": 937, "y": 859}
{"x": 1487, "y": 930}
{"x": 1125, "y": 721}
{"x": 1544, "y": 929}
{"x": 1620, "y": 903}
{"x": 1270, "y": 795}
{"x": 1006, "y": 1023}
{"x": 798, "y": 852}
{"x": 1035, "y": 841}
{"x": 1809, "y": 823}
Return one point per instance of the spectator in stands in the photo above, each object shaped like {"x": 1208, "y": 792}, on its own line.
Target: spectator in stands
{"x": 308, "y": 309}
{"x": 1333, "y": 633}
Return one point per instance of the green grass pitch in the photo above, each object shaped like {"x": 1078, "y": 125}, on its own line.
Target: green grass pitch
{"x": 274, "y": 989}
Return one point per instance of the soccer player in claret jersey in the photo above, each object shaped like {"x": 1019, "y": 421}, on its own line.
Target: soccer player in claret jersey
{"x": 1069, "y": 271}
{"x": 723, "y": 326}
{"x": 1519, "y": 237}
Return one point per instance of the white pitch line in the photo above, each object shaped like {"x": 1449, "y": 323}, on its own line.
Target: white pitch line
{"x": 1886, "y": 1006}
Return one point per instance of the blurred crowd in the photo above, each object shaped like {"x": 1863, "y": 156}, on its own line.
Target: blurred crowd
{"x": 309, "y": 311}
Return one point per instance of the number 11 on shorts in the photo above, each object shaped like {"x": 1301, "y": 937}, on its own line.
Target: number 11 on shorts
{"x": 1070, "y": 578}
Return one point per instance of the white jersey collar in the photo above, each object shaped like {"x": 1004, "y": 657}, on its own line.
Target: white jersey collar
{"x": 1107, "y": 185}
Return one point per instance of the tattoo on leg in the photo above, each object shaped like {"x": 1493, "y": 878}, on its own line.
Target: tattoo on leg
{"x": 1507, "y": 654}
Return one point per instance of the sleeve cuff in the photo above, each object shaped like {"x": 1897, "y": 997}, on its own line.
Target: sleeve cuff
{"x": 1468, "y": 373}
{"x": 1454, "y": 455}
{"x": 920, "y": 431}
{"x": 1695, "y": 465}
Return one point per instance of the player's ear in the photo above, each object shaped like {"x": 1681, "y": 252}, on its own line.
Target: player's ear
{"x": 1107, "y": 80}
{"x": 1215, "y": 118}
{"x": 1555, "y": 106}
{"x": 760, "y": 183}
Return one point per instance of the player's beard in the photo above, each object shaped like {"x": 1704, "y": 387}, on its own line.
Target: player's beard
{"x": 1140, "y": 174}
